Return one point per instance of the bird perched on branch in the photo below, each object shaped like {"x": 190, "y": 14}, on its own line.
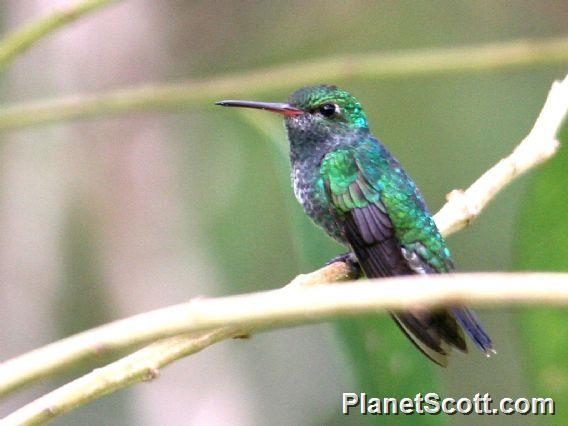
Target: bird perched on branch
{"x": 349, "y": 184}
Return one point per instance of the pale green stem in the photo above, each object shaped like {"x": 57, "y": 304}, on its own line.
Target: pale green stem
{"x": 202, "y": 93}
{"x": 22, "y": 39}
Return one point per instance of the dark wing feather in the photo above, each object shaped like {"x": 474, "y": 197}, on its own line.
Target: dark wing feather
{"x": 371, "y": 234}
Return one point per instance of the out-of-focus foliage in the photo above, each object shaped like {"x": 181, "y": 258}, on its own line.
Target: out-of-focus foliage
{"x": 542, "y": 246}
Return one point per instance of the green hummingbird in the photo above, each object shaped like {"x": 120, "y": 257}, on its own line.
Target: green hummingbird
{"x": 351, "y": 185}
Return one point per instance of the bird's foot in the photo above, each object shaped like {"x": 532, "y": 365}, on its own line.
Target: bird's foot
{"x": 351, "y": 261}
{"x": 242, "y": 336}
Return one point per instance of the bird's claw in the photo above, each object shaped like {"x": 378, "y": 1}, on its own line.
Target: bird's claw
{"x": 350, "y": 260}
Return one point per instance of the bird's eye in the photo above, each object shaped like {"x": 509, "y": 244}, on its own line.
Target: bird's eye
{"x": 328, "y": 110}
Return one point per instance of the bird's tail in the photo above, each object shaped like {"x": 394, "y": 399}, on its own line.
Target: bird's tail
{"x": 474, "y": 330}
{"x": 435, "y": 333}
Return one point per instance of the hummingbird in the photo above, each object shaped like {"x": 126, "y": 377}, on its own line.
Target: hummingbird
{"x": 350, "y": 185}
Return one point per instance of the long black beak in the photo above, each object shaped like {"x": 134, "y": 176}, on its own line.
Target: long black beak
{"x": 281, "y": 108}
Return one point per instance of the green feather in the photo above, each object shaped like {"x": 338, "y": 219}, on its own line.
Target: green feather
{"x": 360, "y": 176}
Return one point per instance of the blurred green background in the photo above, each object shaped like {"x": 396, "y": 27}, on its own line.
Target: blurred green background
{"x": 107, "y": 218}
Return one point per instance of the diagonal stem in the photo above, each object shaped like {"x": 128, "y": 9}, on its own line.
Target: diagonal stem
{"x": 195, "y": 94}
{"x": 21, "y": 40}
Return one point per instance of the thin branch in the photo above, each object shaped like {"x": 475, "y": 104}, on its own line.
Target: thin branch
{"x": 22, "y": 39}
{"x": 285, "y": 307}
{"x": 111, "y": 338}
{"x": 302, "y": 301}
{"x": 539, "y": 145}
{"x": 201, "y": 93}
{"x": 140, "y": 366}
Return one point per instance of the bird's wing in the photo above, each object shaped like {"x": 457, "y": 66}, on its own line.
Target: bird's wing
{"x": 384, "y": 241}
{"x": 356, "y": 201}
{"x": 379, "y": 203}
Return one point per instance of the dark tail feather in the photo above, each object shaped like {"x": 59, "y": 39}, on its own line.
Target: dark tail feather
{"x": 474, "y": 330}
{"x": 433, "y": 333}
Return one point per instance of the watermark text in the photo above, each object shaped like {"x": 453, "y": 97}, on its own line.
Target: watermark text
{"x": 432, "y": 403}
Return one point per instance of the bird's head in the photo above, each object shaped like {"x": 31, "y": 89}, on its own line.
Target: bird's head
{"x": 315, "y": 112}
